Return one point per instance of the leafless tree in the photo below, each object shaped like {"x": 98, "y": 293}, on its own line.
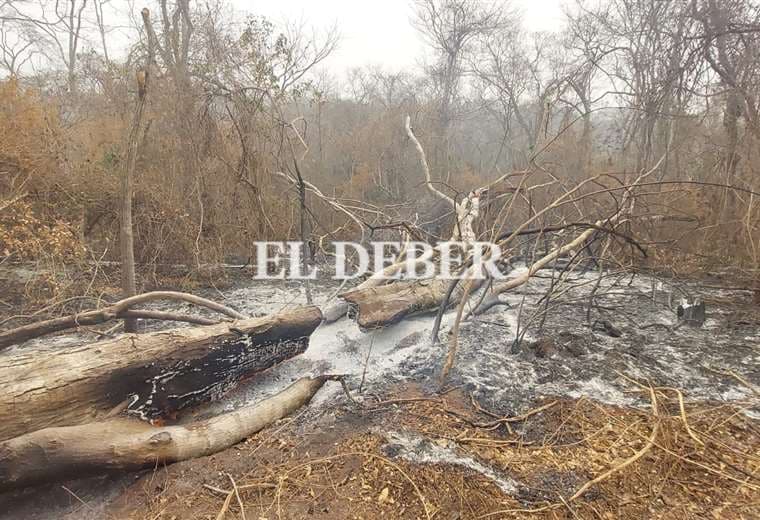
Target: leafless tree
{"x": 731, "y": 45}
{"x": 523, "y": 78}
{"x": 451, "y": 28}
{"x": 60, "y": 25}
{"x": 126, "y": 236}
{"x": 100, "y": 20}
{"x": 17, "y": 47}
{"x": 644, "y": 53}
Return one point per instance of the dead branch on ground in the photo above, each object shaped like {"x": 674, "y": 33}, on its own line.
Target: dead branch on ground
{"x": 119, "y": 310}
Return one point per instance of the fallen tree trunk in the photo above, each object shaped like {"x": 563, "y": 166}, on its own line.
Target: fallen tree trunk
{"x": 54, "y": 454}
{"x": 387, "y": 304}
{"x": 156, "y": 374}
{"x": 381, "y": 306}
{"x": 340, "y": 309}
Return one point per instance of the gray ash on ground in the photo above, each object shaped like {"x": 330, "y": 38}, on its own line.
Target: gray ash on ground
{"x": 566, "y": 355}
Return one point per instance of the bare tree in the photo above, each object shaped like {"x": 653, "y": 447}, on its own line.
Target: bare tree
{"x": 451, "y": 27}
{"x": 17, "y": 47}
{"x": 645, "y": 55}
{"x": 731, "y": 46}
{"x": 126, "y": 238}
{"x": 173, "y": 47}
{"x": 522, "y": 77}
{"x": 102, "y": 28}
{"x": 60, "y": 27}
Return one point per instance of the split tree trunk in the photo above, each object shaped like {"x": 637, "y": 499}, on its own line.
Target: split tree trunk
{"x": 70, "y": 452}
{"x": 152, "y": 375}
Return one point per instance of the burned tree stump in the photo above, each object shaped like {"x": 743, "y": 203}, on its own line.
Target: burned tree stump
{"x": 151, "y": 375}
{"x": 691, "y": 313}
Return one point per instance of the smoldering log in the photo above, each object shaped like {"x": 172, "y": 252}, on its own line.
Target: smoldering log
{"x": 55, "y": 454}
{"x": 153, "y": 375}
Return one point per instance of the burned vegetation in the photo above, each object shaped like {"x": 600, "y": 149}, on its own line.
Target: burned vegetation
{"x": 553, "y": 309}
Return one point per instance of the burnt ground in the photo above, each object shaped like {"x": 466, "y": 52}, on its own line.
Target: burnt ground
{"x": 440, "y": 458}
{"x": 336, "y": 460}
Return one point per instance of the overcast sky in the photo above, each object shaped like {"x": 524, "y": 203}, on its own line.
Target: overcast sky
{"x": 373, "y": 32}
{"x": 379, "y": 31}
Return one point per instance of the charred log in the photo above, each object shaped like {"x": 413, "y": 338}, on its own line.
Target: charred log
{"x": 157, "y": 374}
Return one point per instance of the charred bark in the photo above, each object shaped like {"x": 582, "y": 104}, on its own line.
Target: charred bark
{"x": 153, "y": 375}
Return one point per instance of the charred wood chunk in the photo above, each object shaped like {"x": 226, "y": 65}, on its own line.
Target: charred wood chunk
{"x": 691, "y": 313}
{"x": 607, "y": 328}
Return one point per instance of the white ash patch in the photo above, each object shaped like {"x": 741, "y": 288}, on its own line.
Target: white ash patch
{"x": 651, "y": 348}
{"x": 421, "y": 450}
{"x": 735, "y": 394}
{"x": 602, "y": 391}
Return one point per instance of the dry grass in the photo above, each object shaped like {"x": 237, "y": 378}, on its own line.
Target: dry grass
{"x": 576, "y": 459}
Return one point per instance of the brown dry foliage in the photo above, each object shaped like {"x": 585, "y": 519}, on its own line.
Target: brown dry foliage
{"x": 346, "y": 472}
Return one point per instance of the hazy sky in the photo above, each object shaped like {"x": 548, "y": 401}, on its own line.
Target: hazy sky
{"x": 373, "y": 32}
{"x": 378, "y": 31}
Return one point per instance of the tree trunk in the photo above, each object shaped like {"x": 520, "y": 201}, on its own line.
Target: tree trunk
{"x": 152, "y": 375}
{"x": 71, "y": 452}
{"x": 381, "y": 306}
{"x": 126, "y": 236}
